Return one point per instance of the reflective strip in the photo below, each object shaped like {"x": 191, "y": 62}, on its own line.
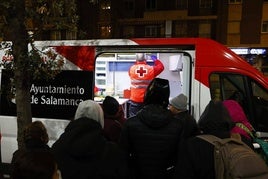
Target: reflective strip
{"x": 140, "y": 81}
{"x": 138, "y": 86}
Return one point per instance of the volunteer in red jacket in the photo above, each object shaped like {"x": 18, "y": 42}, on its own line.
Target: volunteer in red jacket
{"x": 141, "y": 74}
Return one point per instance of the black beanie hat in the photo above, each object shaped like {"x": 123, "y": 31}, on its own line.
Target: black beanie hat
{"x": 110, "y": 105}
{"x": 157, "y": 92}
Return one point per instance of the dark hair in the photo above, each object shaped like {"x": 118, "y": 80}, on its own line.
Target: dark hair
{"x": 215, "y": 118}
{"x": 157, "y": 92}
{"x": 37, "y": 131}
{"x": 39, "y": 164}
{"x": 110, "y": 105}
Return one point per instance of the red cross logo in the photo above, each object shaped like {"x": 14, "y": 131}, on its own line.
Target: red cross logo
{"x": 141, "y": 71}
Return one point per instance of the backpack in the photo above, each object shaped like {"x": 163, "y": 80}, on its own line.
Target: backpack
{"x": 235, "y": 160}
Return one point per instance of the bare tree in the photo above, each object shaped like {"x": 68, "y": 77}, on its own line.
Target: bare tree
{"x": 26, "y": 65}
{"x": 15, "y": 14}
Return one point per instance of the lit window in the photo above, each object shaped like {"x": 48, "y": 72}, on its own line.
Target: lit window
{"x": 70, "y": 35}
{"x": 56, "y": 35}
{"x": 106, "y": 31}
{"x": 265, "y": 26}
{"x": 205, "y": 29}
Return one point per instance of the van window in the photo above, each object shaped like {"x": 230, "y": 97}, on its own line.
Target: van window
{"x": 112, "y": 78}
{"x": 225, "y": 86}
{"x": 260, "y": 103}
{"x": 247, "y": 92}
{"x": 111, "y": 72}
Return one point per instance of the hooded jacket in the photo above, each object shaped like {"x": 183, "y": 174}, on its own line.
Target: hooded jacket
{"x": 151, "y": 137}
{"x": 83, "y": 153}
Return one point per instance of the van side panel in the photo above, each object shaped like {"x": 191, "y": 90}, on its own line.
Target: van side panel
{"x": 82, "y": 56}
{"x": 208, "y": 57}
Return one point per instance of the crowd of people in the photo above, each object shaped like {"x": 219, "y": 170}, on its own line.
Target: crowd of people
{"x": 158, "y": 141}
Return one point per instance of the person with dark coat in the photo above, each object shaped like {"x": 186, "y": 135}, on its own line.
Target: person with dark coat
{"x": 178, "y": 107}
{"x": 35, "y": 137}
{"x": 82, "y": 152}
{"x": 196, "y": 159}
{"x": 37, "y": 164}
{"x": 113, "y": 119}
{"x": 150, "y": 137}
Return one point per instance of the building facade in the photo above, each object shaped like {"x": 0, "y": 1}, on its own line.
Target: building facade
{"x": 236, "y": 23}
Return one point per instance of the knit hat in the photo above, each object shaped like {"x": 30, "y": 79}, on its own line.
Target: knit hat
{"x": 179, "y": 102}
{"x": 110, "y": 105}
{"x": 157, "y": 92}
{"x": 90, "y": 109}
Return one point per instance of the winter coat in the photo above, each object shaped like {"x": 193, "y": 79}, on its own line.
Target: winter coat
{"x": 150, "y": 139}
{"x": 83, "y": 153}
{"x": 112, "y": 129}
{"x": 189, "y": 127}
{"x": 196, "y": 157}
{"x": 189, "y": 124}
{"x": 196, "y": 160}
{"x": 30, "y": 145}
{"x": 113, "y": 125}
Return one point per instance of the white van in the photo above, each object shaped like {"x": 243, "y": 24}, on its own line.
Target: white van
{"x": 200, "y": 68}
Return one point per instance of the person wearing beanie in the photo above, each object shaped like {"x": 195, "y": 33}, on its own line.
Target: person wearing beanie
{"x": 150, "y": 137}
{"x": 113, "y": 118}
{"x": 141, "y": 75}
{"x": 83, "y": 152}
{"x": 110, "y": 105}
{"x": 179, "y": 102}
{"x": 178, "y": 107}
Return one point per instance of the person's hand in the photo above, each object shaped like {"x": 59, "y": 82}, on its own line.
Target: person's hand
{"x": 154, "y": 58}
